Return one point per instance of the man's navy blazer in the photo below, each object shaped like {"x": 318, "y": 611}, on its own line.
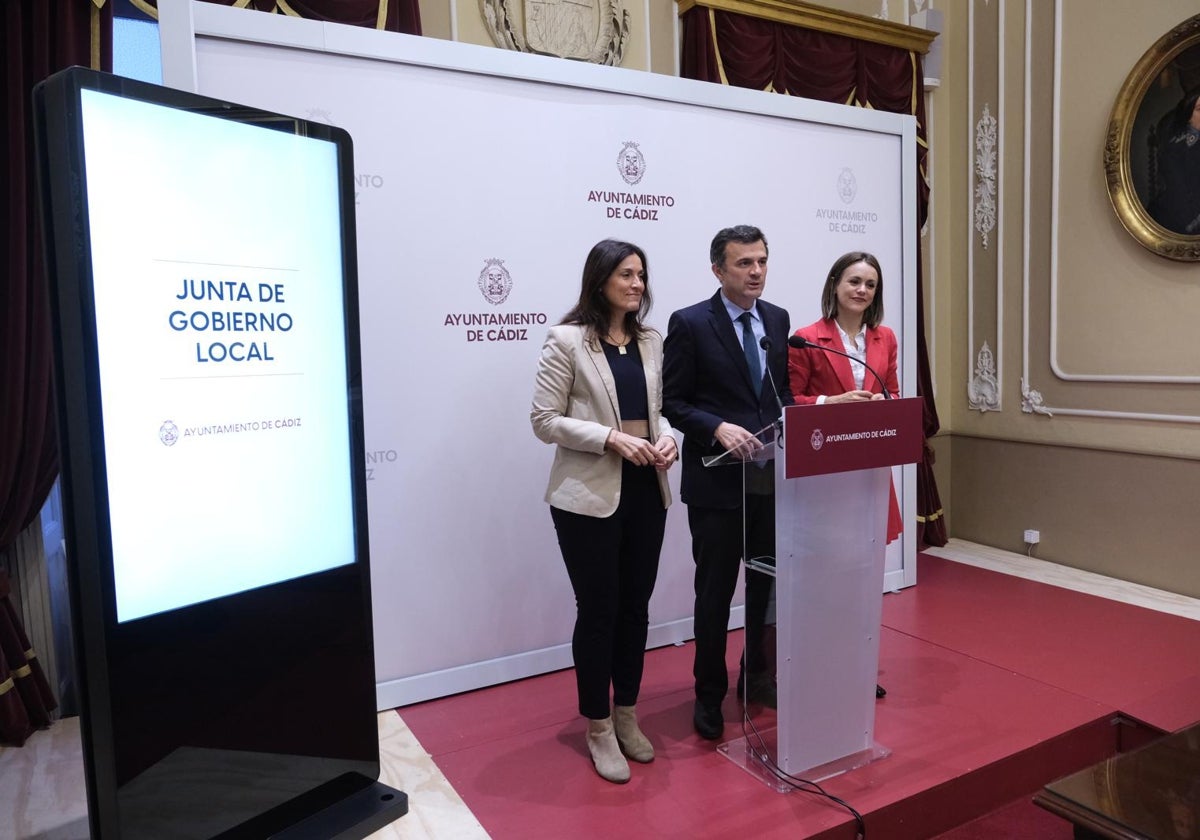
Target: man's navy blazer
{"x": 706, "y": 382}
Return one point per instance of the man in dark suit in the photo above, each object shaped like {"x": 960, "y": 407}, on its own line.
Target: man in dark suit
{"x": 716, "y": 390}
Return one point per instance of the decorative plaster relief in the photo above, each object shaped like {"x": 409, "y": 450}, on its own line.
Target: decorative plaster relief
{"x": 1031, "y": 400}
{"x": 588, "y": 30}
{"x": 985, "y": 173}
{"x": 983, "y": 392}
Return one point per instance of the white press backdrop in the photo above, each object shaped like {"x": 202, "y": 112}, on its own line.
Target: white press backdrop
{"x": 465, "y": 156}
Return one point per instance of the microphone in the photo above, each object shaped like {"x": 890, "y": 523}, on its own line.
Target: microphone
{"x": 765, "y": 344}
{"x": 801, "y": 343}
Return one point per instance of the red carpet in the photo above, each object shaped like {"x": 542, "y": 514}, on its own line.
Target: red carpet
{"x": 996, "y": 685}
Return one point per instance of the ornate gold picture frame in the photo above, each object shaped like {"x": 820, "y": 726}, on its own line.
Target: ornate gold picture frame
{"x": 1152, "y": 153}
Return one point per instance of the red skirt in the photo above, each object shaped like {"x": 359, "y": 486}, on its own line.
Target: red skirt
{"x": 895, "y": 522}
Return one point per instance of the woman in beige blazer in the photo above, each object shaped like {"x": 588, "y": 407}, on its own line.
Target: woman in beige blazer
{"x": 598, "y": 397}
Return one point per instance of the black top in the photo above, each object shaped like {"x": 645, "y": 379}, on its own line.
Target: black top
{"x": 630, "y": 378}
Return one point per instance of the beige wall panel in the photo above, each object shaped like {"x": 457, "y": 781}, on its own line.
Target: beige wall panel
{"x": 1039, "y": 170}
{"x": 951, "y": 218}
{"x": 663, "y": 43}
{"x": 435, "y": 18}
{"x": 1120, "y": 305}
{"x": 1126, "y": 516}
{"x": 986, "y": 257}
{"x": 471, "y": 26}
{"x": 1012, "y": 206}
{"x": 1112, "y": 293}
{"x": 637, "y": 54}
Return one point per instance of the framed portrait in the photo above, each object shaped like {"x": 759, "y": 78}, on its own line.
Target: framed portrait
{"x": 1152, "y": 152}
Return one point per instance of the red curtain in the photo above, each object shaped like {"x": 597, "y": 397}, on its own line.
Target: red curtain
{"x": 398, "y": 15}
{"x": 37, "y": 37}
{"x": 744, "y": 51}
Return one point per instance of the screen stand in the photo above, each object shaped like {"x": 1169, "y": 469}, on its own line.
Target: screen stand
{"x": 350, "y": 807}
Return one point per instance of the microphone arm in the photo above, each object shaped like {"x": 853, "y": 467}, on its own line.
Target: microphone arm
{"x": 800, "y": 343}
{"x": 765, "y": 344}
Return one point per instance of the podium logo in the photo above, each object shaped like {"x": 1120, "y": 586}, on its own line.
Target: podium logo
{"x": 495, "y": 282}
{"x": 168, "y": 433}
{"x": 817, "y": 439}
{"x": 630, "y": 163}
{"x": 847, "y": 185}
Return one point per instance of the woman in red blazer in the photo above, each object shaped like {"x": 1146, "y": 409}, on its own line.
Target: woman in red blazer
{"x": 851, "y": 322}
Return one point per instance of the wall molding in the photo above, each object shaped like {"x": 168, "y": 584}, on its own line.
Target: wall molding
{"x": 985, "y": 175}
{"x": 796, "y": 13}
{"x": 1032, "y": 401}
{"x": 983, "y": 391}
{"x": 985, "y": 179}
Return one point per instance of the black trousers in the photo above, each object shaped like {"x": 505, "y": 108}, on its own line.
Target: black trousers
{"x": 613, "y": 564}
{"x": 717, "y": 550}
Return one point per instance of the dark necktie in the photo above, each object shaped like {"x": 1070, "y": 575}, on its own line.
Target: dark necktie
{"x": 750, "y": 347}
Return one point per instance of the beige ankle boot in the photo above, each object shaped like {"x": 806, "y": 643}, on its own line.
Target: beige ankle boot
{"x": 633, "y": 743}
{"x": 606, "y": 753}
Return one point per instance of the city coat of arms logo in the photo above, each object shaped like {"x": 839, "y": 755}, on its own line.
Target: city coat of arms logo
{"x": 630, "y": 163}
{"x": 818, "y": 439}
{"x": 847, "y": 185}
{"x": 495, "y": 282}
{"x": 168, "y": 433}
{"x": 587, "y": 30}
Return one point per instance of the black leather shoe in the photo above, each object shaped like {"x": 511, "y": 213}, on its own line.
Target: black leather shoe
{"x": 708, "y": 721}
{"x": 760, "y": 690}
{"x": 880, "y": 691}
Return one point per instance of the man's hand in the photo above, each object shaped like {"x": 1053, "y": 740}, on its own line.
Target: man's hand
{"x": 736, "y": 439}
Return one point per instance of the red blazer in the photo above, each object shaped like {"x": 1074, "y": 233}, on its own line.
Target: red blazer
{"x": 813, "y": 373}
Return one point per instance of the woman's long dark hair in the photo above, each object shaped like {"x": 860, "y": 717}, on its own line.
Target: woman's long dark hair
{"x": 592, "y": 311}
{"x": 873, "y": 316}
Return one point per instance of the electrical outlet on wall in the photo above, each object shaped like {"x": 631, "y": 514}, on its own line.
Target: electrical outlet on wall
{"x": 1032, "y": 537}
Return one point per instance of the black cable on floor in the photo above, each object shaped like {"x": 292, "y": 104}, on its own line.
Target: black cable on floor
{"x": 763, "y": 756}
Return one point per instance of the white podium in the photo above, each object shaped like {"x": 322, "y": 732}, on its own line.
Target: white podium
{"x": 832, "y": 492}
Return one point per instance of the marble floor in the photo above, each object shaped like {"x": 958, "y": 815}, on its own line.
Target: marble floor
{"x": 42, "y": 787}
{"x": 42, "y": 783}
{"x": 1054, "y": 574}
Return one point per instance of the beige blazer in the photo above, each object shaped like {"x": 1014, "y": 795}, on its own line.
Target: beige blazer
{"x": 575, "y": 407}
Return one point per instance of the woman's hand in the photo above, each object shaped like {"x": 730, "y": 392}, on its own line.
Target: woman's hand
{"x": 667, "y": 450}
{"x": 636, "y": 450}
{"x": 852, "y": 396}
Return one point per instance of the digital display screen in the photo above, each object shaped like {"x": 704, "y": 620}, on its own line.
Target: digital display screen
{"x": 202, "y": 269}
{"x": 219, "y": 314}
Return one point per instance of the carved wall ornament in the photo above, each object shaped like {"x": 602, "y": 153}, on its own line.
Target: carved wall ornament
{"x": 1031, "y": 400}
{"x": 983, "y": 391}
{"x": 1152, "y": 148}
{"x": 587, "y": 30}
{"x": 985, "y": 174}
